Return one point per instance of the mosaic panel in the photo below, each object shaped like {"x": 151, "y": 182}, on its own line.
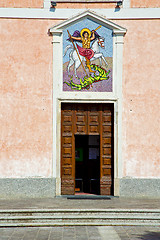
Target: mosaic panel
{"x": 87, "y": 57}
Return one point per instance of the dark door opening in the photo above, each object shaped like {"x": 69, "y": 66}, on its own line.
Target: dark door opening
{"x": 87, "y": 164}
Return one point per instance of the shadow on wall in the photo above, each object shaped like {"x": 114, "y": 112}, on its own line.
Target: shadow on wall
{"x": 150, "y": 236}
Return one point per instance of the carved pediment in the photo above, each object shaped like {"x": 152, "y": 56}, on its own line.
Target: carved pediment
{"x": 88, "y": 15}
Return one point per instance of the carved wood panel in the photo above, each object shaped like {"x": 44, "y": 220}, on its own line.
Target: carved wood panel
{"x": 67, "y": 150}
{"x": 93, "y": 119}
{"x": 81, "y": 119}
{"x": 106, "y": 178}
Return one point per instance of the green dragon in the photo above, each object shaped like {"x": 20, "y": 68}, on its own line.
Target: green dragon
{"x": 88, "y": 81}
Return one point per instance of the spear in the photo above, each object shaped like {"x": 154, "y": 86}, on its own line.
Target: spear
{"x": 98, "y": 28}
{"x": 76, "y": 51}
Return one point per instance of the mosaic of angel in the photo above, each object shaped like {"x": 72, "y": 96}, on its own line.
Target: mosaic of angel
{"x": 83, "y": 56}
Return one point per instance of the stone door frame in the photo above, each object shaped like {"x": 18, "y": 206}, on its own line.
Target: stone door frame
{"x": 57, "y": 146}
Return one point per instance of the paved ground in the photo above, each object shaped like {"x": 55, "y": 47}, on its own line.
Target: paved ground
{"x": 82, "y": 233}
{"x": 63, "y": 203}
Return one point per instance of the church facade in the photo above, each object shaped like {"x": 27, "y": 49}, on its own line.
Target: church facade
{"x": 79, "y": 98}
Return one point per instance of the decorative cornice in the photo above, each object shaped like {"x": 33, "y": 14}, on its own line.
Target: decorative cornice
{"x": 123, "y": 13}
{"x": 92, "y": 15}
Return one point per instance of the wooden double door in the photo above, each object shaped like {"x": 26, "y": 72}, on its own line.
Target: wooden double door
{"x": 78, "y": 123}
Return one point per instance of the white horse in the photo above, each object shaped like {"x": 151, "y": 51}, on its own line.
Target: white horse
{"x": 74, "y": 59}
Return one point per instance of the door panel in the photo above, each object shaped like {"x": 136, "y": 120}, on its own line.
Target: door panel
{"x": 106, "y": 180}
{"x": 93, "y": 119}
{"x": 67, "y": 151}
{"x": 81, "y": 119}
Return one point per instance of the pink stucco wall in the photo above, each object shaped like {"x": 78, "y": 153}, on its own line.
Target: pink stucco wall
{"x": 25, "y": 98}
{"x": 145, "y": 3}
{"x": 21, "y": 3}
{"x": 141, "y": 104}
{"x": 39, "y": 4}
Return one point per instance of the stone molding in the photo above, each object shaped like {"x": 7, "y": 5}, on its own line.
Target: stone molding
{"x": 123, "y": 13}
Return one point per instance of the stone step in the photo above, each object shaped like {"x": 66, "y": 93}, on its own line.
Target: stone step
{"x": 62, "y": 217}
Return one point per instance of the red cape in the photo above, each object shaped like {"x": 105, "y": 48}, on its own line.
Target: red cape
{"x": 86, "y": 52}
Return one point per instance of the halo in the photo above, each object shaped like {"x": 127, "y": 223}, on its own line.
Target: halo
{"x": 85, "y": 30}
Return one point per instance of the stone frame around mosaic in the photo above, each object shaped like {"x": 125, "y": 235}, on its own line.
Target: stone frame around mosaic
{"x": 73, "y": 97}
